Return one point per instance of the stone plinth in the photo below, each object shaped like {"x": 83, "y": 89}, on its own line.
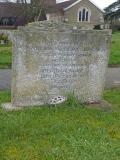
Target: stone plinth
{"x": 53, "y": 59}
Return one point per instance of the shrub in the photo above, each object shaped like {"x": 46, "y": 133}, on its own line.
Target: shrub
{"x": 4, "y": 37}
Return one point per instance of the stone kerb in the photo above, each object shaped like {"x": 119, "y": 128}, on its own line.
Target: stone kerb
{"x": 55, "y": 59}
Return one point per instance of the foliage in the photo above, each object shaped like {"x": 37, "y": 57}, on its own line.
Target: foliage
{"x": 34, "y": 10}
{"x": 4, "y": 37}
{"x": 61, "y": 133}
{"x": 31, "y": 11}
{"x": 5, "y": 56}
{"x": 113, "y": 7}
{"x": 38, "y": 9}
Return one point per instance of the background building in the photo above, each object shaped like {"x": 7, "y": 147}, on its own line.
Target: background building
{"x": 83, "y": 11}
{"x": 112, "y": 16}
{"x": 11, "y": 15}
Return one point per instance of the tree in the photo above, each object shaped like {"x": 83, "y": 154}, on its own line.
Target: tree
{"x": 37, "y": 9}
{"x": 33, "y": 10}
{"x": 113, "y": 7}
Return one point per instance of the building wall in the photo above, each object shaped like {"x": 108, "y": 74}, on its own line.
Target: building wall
{"x": 96, "y": 15}
{"x": 11, "y": 11}
{"x": 54, "y": 59}
{"x": 58, "y": 16}
{"x": 49, "y": 2}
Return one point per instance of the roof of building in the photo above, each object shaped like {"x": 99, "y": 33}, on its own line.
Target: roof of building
{"x": 59, "y": 6}
{"x": 14, "y": 9}
{"x": 49, "y": 2}
{"x": 77, "y": 1}
{"x": 10, "y": 9}
{"x": 66, "y": 5}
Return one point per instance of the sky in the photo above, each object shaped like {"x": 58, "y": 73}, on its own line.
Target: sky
{"x": 100, "y": 3}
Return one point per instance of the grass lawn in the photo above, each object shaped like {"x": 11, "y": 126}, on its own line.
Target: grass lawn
{"x": 115, "y": 49}
{"x": 5, "y": 56}
{"x": 69, "y": 132}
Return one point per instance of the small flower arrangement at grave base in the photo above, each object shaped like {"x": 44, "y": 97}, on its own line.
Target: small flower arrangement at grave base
{"x": 57, "y": 100}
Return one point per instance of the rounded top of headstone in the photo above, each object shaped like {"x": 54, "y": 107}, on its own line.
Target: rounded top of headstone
{"x": 52, "y": 26}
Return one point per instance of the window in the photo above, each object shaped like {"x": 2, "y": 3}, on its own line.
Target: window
{"x": 84, "y": 14}
{"x": 7, "y": 21}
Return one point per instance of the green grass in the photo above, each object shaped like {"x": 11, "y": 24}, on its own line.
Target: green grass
{"x": 5, "y": 56}
{"x": 115, "y": 49}
{"x": 69, "y": 132}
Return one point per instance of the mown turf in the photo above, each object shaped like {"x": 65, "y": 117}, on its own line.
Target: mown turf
{"x": 5, "y": 56}
{"x": 69, "y": 132}
{"x": 115, "y": 49}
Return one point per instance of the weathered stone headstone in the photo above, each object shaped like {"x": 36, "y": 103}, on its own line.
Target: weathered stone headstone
{"x": 54, "y": 59}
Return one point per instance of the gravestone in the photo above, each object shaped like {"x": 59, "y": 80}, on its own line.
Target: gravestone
{"x": 54, "y": 59}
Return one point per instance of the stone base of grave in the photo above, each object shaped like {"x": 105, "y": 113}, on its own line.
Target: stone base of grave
{"x": 104, "y": 105}
{"x": 10, "y": 107}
